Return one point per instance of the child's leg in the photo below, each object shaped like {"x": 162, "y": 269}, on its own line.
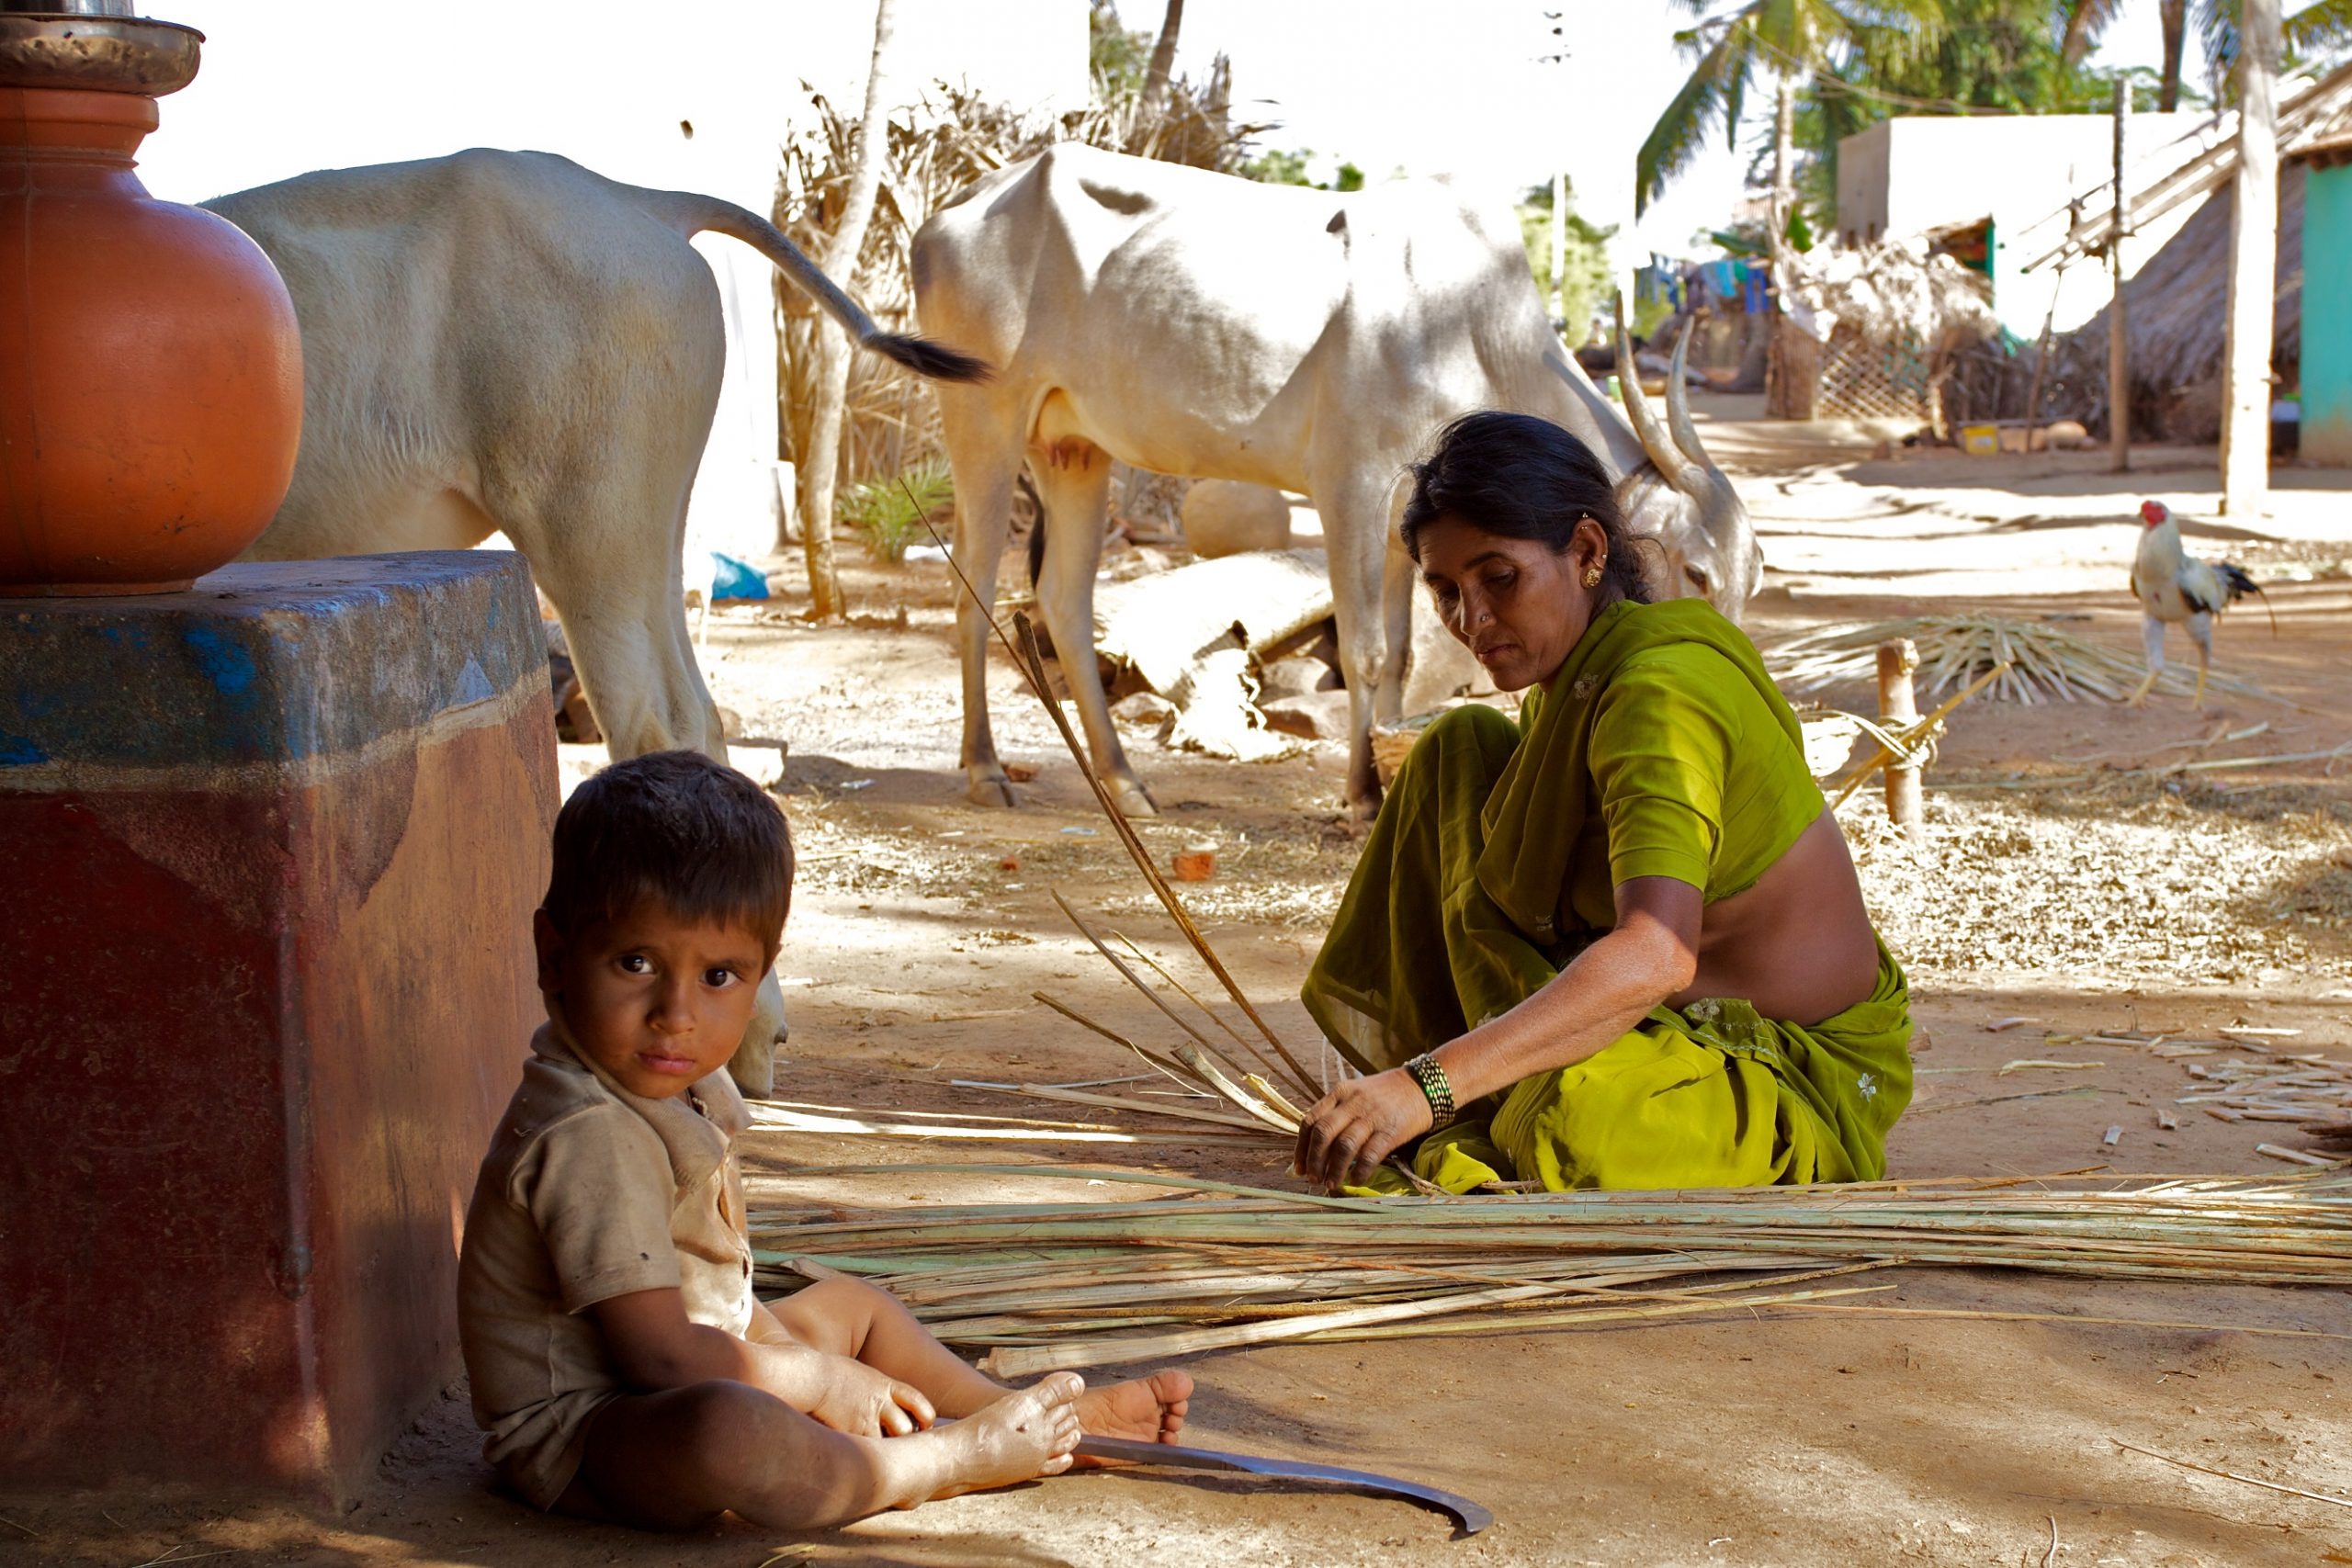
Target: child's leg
{"x": 673, "y": 1460}
{"x": 849, "y": 1317}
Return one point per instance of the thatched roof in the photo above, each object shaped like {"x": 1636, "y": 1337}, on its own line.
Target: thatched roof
{"x": 2174, "y": 312}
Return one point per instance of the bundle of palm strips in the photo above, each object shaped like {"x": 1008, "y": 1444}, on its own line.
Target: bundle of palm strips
{"x": 2044, "y": 663}
{"x": 1076, "y": 1284}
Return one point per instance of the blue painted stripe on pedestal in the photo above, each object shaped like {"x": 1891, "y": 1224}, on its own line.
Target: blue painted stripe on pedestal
{"x": 264, "y": 661}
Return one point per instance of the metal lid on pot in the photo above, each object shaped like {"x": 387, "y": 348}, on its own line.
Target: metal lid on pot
{"x": 95, "y": 45}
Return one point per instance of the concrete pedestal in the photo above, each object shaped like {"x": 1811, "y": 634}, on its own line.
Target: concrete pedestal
{"x": 268, "y": 853}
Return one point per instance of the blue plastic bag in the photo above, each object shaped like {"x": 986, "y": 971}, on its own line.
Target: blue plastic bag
{"x": 732, "y": 578}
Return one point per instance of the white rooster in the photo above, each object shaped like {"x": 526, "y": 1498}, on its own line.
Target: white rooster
{"x": 2173, "y": 585}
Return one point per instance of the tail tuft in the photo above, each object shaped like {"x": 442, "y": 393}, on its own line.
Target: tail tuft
{"x": 2237, "y": 582}
{"x": 925, "y": 358}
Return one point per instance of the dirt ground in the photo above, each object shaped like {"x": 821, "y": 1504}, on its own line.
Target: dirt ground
{"x": 2066, "y": 880}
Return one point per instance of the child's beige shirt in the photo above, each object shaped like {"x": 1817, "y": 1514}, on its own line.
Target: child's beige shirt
{"x": 588, "y": 1192}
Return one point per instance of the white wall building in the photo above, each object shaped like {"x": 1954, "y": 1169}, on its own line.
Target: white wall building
{"x": 1905, "y": 178}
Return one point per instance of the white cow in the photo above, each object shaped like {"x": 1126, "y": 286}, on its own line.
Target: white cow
{"x": 1203, "y": 324}
{"x": 505, "y": 340}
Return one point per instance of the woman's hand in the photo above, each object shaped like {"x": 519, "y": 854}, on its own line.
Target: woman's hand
{"x": 1358, "y": 1126}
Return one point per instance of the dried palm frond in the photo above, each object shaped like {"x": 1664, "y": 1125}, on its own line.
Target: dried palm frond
{"x": 1893, "y": 291}
{"x": 1076, "y": 1284}
{"x": 1197, "y": 1064}
{"x": 2045, "y": 665}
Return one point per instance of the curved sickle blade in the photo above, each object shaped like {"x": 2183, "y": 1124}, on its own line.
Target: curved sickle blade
{"x": 1469, "y": 1517}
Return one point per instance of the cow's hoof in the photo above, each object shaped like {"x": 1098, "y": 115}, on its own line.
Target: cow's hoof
{"x": 1132, "y": 798}
{"x": 1363, "y": 809}
{"x": 993, "y": 790}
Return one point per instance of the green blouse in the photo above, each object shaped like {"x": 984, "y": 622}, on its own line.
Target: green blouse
{"x": 1660, "y": 748}
{"x": 1696, "y": 776}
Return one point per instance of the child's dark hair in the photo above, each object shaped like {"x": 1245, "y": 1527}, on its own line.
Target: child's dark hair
{"x": 678, "y": 829}
{"x": 1523, "y": 478}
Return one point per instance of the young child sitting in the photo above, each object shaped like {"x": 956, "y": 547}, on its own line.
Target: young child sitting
{"x": 619, "y": 1363}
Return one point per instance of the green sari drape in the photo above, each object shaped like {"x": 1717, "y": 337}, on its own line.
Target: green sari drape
{"x": 1486, "y": 872}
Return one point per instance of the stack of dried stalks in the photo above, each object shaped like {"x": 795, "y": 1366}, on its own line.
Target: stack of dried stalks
{"x": 1079, "y": 1284}
{"x": 1893, "y": 292}
{"x": 2045, "y": 665}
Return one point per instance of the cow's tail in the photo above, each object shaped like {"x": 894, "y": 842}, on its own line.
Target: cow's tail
{"x": 917, "y": 354}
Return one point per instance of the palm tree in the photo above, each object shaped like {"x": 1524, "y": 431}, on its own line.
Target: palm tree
{"x": 2323, "y": 27}
{"x": 1789, "y": 40}
{"x": 1786, "y": 39}
{"x": 2085, "y": 20}
{"x": 1163, "y": 60}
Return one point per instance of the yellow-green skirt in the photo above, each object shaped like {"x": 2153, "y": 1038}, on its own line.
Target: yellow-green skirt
{"x": 1713, "y": 1094}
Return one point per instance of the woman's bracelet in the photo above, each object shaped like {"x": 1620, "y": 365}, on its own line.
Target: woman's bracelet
{"x": 1430, "y": 1075}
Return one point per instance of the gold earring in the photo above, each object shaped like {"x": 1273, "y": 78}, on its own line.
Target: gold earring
{"x": 1592, "y": 577}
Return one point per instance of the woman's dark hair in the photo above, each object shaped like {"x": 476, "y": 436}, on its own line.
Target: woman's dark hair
{"x": 1522, "y": 477}
{"x": 678, "y": 829}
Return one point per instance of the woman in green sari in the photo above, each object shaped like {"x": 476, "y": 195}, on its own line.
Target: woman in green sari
{"x": 1620, "y": 941}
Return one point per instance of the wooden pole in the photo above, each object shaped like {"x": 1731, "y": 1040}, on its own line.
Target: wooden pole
{"x": 820, "y": 465}
{"x": 2118, "y": 378}
{"x": 2253, "y": 269}
{"x": 1560, "y": 257}
{"x": 1782, "y": 399}
{"x": 2040, "y": 364}
{"x": 1898, "y": 709}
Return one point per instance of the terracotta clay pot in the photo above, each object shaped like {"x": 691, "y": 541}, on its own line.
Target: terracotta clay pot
{"x": 150, "y": 374}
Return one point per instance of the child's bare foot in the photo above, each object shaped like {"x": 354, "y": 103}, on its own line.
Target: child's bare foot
{"x": 1149, "y": 1410}
{"x": 1020, "y": 1437}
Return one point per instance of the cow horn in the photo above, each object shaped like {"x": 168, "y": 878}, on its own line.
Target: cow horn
{"x": 1671, "y": 464}
{"x": 1677, "y": 404}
